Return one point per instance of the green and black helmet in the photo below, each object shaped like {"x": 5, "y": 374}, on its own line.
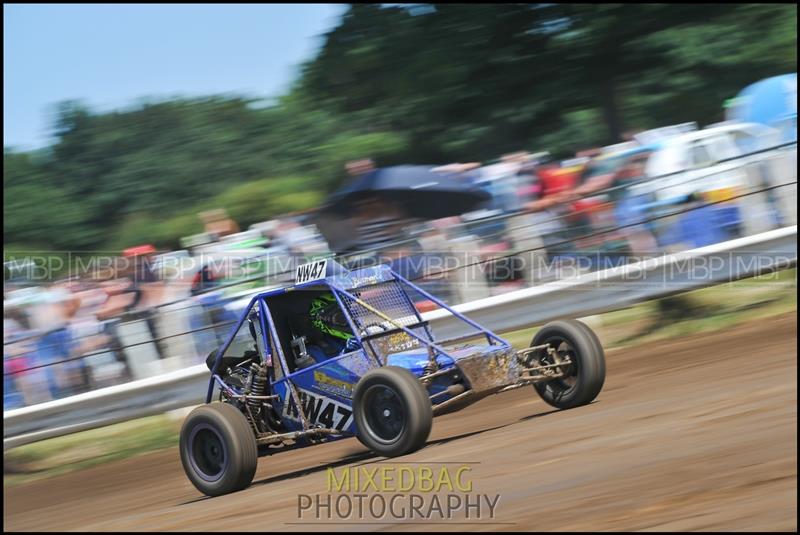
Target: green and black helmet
{"x": 327, "y": 316}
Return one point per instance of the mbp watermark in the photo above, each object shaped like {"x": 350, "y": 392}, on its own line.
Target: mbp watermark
{"x": 394, "y": 493}
{"x": 471, "y": 268}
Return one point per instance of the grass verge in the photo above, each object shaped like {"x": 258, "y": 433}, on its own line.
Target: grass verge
{"x": 60, "y": 455}
{"x": 709, "y": 309}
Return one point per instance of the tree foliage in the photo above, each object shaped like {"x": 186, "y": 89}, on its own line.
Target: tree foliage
{"x": 430, "y": 83}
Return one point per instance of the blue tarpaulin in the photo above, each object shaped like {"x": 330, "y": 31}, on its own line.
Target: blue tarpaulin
{"x": 772, "y": 102}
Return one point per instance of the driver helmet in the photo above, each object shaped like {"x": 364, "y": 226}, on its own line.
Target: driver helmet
{"x": 328, "y": 317}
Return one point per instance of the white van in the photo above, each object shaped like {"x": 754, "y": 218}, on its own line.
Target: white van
{"x": 714, "y": 162}
{"x": 705, "y": 150}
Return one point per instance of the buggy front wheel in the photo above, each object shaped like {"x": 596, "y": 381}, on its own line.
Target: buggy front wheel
{"x": 392, "y": 411}
{"x": 218, "y": 449}
{"x": 582, "y": 378}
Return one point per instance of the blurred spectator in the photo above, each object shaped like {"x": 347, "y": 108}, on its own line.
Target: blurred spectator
{"x": 118, "y": 298}
{"x": 148, "y": 290}
{"x": 500, "y": 180}
{"x": 359, "y": 167}
{"x": 458, "y": 168}
{"x": 604, "y": 174}
{"x": 630, "y": 135}
{"x": 530, "y": 186}
{"x": 379, "y": 222}
{"x": 14, "y": 322}
{"x": 13, "y": 367}
{"x": 72, "y": 376}
{"x": 21, "y": 385}
{"x": 516, "y": 158}
{"x": 589, "y": 153}
{"x": 43, "y": 309}
{"x": 53, "y": 347}
{"x": 218, "y": 223}
{"x": 627, "y": 209}
{"x": 14, "y": 360}
{"x": 544, "y": 195}
{"x": 551, "y": 182}
{"x": 88, "y": 337}
{"x": 204, "y": 279}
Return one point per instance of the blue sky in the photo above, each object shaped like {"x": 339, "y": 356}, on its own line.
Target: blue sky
{"x": 110, "y": 56}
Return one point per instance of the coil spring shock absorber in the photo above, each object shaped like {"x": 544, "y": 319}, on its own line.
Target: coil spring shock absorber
{"x": 258, "y": 387}
{"x": 431, "y": 366}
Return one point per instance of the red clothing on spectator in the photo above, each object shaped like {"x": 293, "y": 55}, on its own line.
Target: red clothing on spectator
{"x": 555, "y": 179}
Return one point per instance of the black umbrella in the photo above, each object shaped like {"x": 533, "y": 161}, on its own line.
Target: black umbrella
{"x": 420, "y": 191}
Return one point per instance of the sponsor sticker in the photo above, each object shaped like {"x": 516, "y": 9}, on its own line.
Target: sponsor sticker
{"x": 319, "y": 410}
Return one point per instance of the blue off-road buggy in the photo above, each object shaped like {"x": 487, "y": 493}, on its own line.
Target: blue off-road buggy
{"x": 384, "y": 387}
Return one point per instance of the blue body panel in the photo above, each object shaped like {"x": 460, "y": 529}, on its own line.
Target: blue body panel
{"x": 325, "y": 392}
{"x": 416, "y": 360}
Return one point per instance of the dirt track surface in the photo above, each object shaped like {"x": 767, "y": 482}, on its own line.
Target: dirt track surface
{"x": 697, "y": 433}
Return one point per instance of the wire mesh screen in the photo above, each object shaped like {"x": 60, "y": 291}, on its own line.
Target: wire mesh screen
{"x": 385, "y": 307}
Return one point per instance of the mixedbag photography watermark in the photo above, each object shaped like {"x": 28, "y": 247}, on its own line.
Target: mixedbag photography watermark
{"x": 394, "y": 493}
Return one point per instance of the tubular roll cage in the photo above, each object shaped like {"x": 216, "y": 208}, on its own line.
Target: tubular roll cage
{"x": 268, "y": 331}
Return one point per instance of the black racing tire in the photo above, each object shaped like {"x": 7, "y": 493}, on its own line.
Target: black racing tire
{"x": 218, "y": 449}
{"x": 392, "y": 410}
{"x": 587, "y": 373}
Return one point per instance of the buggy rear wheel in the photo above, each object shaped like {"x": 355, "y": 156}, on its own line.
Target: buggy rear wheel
{"x": 392, "y": 411}
{"x": 218, "y": 449}
{"x": 584, "y": 375}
